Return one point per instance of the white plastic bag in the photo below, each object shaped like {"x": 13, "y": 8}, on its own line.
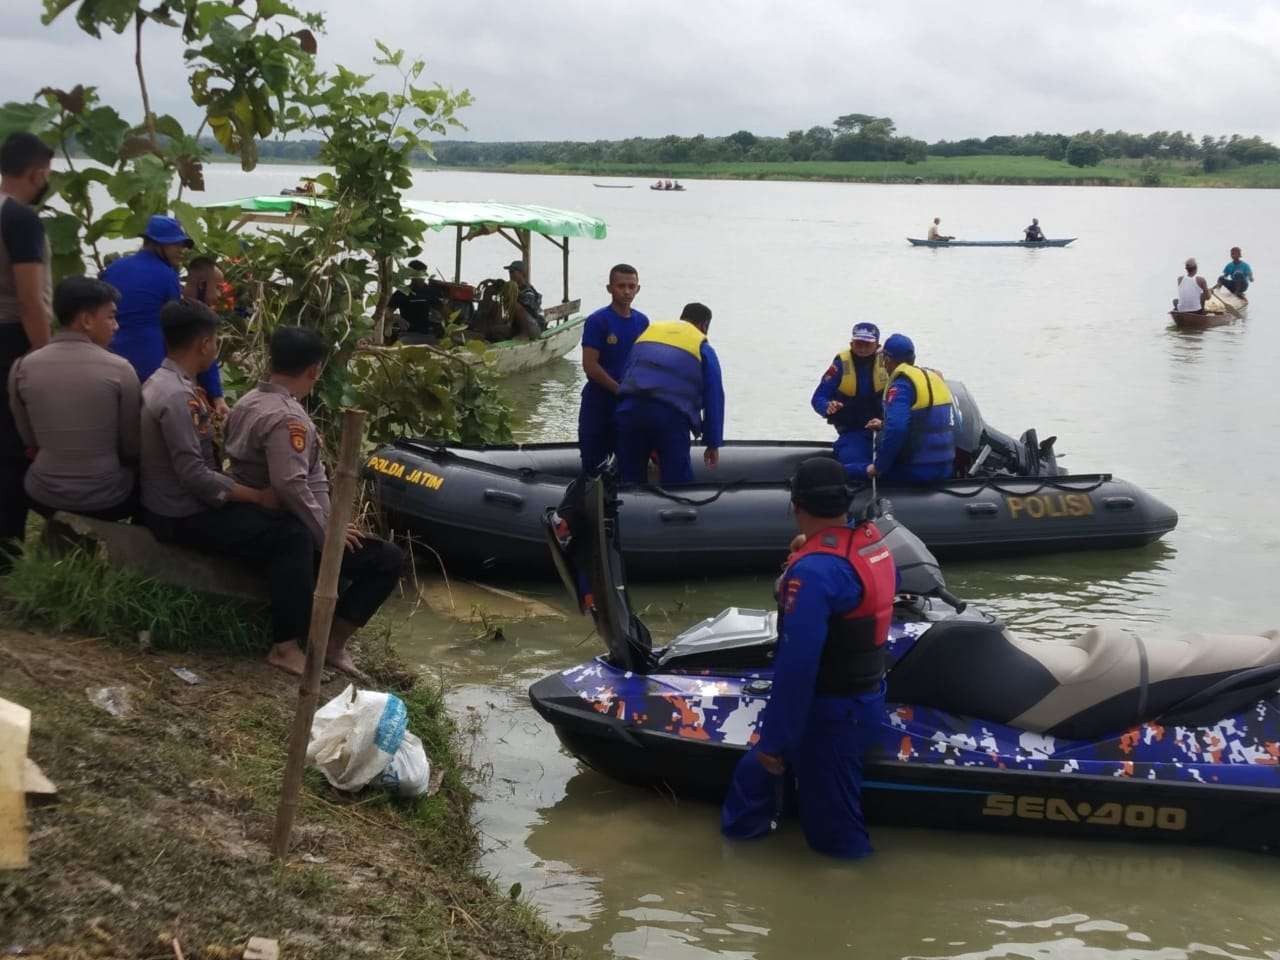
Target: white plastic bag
{"x": 361, "y": 736}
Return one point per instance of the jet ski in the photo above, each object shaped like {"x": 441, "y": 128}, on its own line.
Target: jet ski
{"x": 480, "y": 508}
{"x": 1108, "y": 734}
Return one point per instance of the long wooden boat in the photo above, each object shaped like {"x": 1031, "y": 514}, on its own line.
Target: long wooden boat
{"x": 916, "y": 242}
{"x": 1224, "y": 307}
{"x": 614, "y": 186}
{"x": 515, "y": 223}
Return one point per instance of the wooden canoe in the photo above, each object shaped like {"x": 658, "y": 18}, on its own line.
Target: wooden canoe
{"x": 1200, "y": 320}
{"x": 916, "y": 242}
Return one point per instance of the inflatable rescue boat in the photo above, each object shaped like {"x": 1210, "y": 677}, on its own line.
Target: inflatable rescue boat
{"x": 480, "y": 508}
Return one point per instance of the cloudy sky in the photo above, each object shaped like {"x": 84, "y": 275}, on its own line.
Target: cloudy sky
{"x": 586, "y": 69}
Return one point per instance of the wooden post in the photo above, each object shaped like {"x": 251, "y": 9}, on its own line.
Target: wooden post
{"x": 526, "y": 253}
{"x": 322, "y": 606}
{"x": 457, "y": 257}
{"x": 565, "y": 247}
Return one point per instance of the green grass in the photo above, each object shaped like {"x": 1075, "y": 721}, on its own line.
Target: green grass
{"x": 81, "y": 591}
{"x": 976, "y": 169}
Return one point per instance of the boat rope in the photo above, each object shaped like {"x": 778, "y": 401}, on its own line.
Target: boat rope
{"x": 993, "y": 484}
{"x": 691, "y": 501}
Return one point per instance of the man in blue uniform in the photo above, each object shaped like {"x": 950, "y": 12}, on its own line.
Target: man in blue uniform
{"x": 607, "y": 338}
{"x": 147, "y": 280}
{"x": 1236, "y": 275}
{"x": 849, "y": 396}
{"x": 835, "y": 604}
{"x": 672, "y": 388}
{"x": 918, "y": 442}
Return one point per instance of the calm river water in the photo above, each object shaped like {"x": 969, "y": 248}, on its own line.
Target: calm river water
{"x": 1074, "y": 342}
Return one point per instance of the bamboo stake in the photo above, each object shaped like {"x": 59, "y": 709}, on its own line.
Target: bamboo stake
{"x": 322, "y": 607}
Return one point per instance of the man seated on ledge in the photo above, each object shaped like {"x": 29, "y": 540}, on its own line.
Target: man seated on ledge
{"x": 272, "y": 444}
{"x": 76, "y": 405}
{"x": 189, "y": 500}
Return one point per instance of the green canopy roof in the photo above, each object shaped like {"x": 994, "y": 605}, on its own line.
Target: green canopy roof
{"x": 438, "y": 214}
{"x": 549, "y": 221}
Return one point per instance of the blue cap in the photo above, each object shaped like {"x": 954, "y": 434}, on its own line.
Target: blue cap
{"x": 899, "y": 347}
{"x": 166, "y": 230}
{"x": 866, "y": 332}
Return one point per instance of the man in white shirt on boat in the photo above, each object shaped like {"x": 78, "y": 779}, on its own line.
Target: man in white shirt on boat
{"x": 1193, "y": 292}
{"x": 935, "y": 233}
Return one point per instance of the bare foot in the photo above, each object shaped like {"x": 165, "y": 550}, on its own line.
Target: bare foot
{"x": 341, "y": 661}
{"x": 288, "y": 657}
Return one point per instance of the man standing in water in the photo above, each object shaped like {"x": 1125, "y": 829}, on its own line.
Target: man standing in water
{"x": 1192, "y": 290}
{"x": 835, "y": 603}
{"x": 607, "y": 339}
{"x": 26, "y": 310}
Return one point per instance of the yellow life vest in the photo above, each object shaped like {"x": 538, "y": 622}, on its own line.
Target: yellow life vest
{"x": 675, "y": 333}
{"x": 849, "y": 380}
{"x": 931, "y": 389}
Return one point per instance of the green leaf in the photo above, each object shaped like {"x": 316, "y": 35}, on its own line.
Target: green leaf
{"x": 63, "y": 231}
{"x": 26, "y": 117}
{"x": 168, "y": 126}
{"x": 101, "y": 134}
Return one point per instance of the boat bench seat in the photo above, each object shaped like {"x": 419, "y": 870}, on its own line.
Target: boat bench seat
{"x": 1103, "y": 682}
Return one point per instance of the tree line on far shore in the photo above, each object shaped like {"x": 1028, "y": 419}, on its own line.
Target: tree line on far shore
{"x": 852, "y": 137}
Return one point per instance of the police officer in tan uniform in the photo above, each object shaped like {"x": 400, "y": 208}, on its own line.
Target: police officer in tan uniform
{"x": 76, "y": 405}
{"x": 272, "y": 443}
{"x": 187, "y": 498}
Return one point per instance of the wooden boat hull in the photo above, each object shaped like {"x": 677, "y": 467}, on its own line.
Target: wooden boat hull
{"x": 916, "y": 242}
{"x": 1200, "y": 321}
{"x": 668, "y": 189}
{"x": 517, "y": 356}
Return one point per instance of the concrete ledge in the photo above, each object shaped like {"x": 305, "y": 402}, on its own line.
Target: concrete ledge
{"x": 133, "y": 546}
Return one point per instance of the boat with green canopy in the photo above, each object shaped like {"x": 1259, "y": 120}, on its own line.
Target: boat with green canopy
{"x": 470, "y": 220}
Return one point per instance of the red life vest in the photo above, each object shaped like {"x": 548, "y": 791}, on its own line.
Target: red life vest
{"x": 853, "y": 654}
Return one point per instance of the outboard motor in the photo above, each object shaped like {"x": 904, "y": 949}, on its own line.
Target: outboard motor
{"x": 918, "y": 569}
{"x": 582, "y": 533}
{"x": 984, "y": 451}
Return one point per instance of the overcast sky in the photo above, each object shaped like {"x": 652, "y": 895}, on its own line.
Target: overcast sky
{"x": 588, "y": 69}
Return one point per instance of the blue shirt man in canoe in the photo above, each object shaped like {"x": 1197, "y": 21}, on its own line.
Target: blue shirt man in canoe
{"x": 849, "y": 396}
{"x": 835, "y": 606}
{"x": 672, "y": 388}
{"x": 147, "y": 280}
{"x": 917, "y": 442}
{"x": 1236, "y": 275}
{"x": 607, "y": 338}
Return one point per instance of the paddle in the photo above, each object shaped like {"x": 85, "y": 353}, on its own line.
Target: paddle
{"x": 1226, "y": 306}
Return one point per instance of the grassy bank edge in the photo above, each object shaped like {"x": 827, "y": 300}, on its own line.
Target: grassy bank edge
{"x": 212, "y": 755}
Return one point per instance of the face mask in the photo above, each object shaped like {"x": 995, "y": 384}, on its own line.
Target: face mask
{"x": 40, "y": 195}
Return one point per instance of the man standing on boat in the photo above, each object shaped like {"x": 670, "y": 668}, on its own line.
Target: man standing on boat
{"x": 1193, "y": 292}
{"x": 672, "y": 388}
{"x": 917, "y": 444}
{"x": 1033, "y": 233}
{"x": 1236, "y": 275}
{"x": 849, "y": 396}
{"x": 528, "y": 308}
{"x": 935, "y": 231}
{"x": 607, "y": 338}
{"x": 835, "y": 604}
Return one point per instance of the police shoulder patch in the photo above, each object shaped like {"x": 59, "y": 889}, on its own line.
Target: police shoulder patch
{"x": 199, "y": 415}
{"x": 891, "y": 394}
{"x": 611, "y": 339}
{"x": 297, "y": 435}
{"x": 789, "y": 591}
{"x": 831, "y": 372}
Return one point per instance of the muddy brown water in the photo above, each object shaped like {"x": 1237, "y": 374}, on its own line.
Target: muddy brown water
{"x": 1074, "y": 342}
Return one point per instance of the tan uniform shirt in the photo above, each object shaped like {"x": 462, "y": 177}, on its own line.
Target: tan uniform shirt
{"x": 181, "y": 474}
{"x": 78, "y": 405}
{"x": 271, "y": 442}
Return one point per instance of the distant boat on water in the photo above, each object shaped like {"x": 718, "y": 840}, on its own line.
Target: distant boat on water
{"x": 989, "y": 243}
{"x": 614, "y": 186}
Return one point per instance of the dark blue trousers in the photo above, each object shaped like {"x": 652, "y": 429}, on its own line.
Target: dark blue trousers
{"x": 853, "y": 450}
{"x": 597, "y": 429}
{"x": 646, "y": 426}
{"x": 828, "y": 780}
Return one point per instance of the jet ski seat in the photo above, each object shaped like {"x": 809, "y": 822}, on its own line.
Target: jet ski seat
{"x": 1107, "y": 680}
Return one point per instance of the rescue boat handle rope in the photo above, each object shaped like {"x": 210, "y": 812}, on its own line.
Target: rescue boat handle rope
{"x": 989, "y": 484}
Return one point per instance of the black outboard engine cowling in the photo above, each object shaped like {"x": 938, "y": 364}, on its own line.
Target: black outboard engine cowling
{"x": 582, "y": 533}
{"x": 918, "y": 569}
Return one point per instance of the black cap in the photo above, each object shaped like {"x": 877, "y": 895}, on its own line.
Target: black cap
{"x": 821, "y": 487}
{"x": 518, "y": 265}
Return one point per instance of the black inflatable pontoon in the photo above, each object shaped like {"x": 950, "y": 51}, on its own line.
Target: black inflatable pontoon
{"x": 481, "y": 508}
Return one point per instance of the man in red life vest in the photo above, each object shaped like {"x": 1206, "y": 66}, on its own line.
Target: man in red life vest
{"x": 835, "y": 603}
